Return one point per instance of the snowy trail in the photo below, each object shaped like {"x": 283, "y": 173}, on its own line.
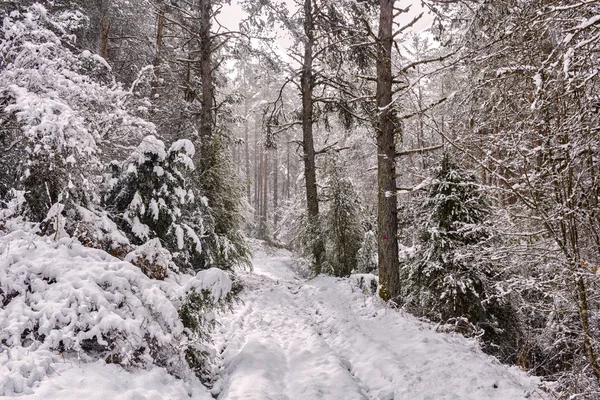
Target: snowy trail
{"x": 272, "y": 350}
{"x": 325, "y": 339}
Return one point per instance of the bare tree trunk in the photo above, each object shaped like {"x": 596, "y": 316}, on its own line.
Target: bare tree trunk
{"x": 235, "y": 156}
{"x": 585, "y": 324}
{"x": 259, "y": 179}
{"x": 247, "y": 149}
{"x": 265, "y": 198}
{"x": 263, "y": 184}
{"x": 206, "y": 114}
{"x": 482, "y": 156}
{"x": 570, "y": 228}
{"x": 310, "y": 178}
{"x": 387, "y": 217}
{"x": 421, "y": 134}
{"x": 104, "y": 35}
{"x": 287, "y": 174}
{"x": 443, "y": 123}
{"x": 160, "y": 24}
{"x": 255, "y": 163}
{"x": 275, "y": 191}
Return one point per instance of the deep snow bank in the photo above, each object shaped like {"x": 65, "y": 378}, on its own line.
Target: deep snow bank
{"x": 63, "y": 302}
{"x": 101, "y": 381}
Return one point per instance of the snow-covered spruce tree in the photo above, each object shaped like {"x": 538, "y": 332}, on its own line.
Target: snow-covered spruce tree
{"x": 190, "y": 101}
{"x": 223, "y": 242}
{"x": 451, "y": 275}
{"x": 306, "y": 231}
{"x": 540, "y": 148}
{"x": 45, "y": 138}
{"x": 57, "y": 107}
{"x": 343, "y": 230}
{"x": 62, "y": 114}
{"x": 153, "y": 199}
{"x": 366, "y": 257}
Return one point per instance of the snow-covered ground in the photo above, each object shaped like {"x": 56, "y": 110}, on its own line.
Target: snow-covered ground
{"x": 289, "y": 338}
{"x": 327, "y": 339}
{"x": 101, "y": 381}
{"x": 58, "y": 293}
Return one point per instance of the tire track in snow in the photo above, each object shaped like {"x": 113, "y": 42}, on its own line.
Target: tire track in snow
{"x": 317, "y": 315}
{"x": 393, "y": 356}
{"x": 273, "y": 352}
{"x": 325, "y": 339}
{"x": 377, "y": 383}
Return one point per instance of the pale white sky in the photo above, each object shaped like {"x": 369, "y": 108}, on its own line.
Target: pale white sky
{"x": 231, "y": 15}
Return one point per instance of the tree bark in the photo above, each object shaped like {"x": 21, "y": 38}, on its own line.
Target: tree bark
{"x": 265, "y": 195}
{"x": 256, "y": 172}
{"x": 260, "y": 190}
{"x": 287, "y": 173}
{"x": 266, "y": 189}
{"x": 275, "y": 183}
{"x": 104, "y": 37}
{"x": 160, "y": 24}
{"x": 206, "y": 117}
{"x": 585, "y": 324}
{"x": 307, "y": 86}
{"x": 387, "y": 217}
{"x": 247, "y": 147}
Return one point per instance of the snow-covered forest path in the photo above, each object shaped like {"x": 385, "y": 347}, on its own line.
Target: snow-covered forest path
{"x": 326, "y": 339}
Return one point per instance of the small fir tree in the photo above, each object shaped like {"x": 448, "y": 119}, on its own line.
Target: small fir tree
{"x": 367, "y": 255}
{"x": 152, "y": 199}
{"x": 223, "y": 242}
{"x": 343, "y": 227}
{"x": 451, "y": 274}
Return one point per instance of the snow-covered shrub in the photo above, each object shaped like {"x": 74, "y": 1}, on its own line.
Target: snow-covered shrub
{"x": 451, "y": 273}
{"x": 223, "y": 243}
{"x": 12, "y": 205}
{"x": 153, "y": 199}
{"x": 57, "y": 107}
{"x": 60, "y": 298}
{"x": 210, "y": 290}
{"x": 367, "y": 254}
{"x": 368, "y": 283}
{"x": 551, "y": 343}
{"x": 94, "y": 228}
{"x": 343, "y": 231}
{"x": 307, "y": 235}
{"x": 195, "y": 313}
{"x": 154, "y": 260}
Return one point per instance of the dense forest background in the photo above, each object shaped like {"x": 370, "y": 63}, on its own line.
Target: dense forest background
{"x": 459, "y": 163}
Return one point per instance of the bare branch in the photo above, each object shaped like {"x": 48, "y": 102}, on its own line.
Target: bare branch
{"x": 422, "y": 150}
